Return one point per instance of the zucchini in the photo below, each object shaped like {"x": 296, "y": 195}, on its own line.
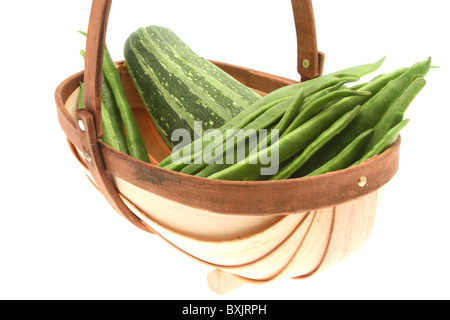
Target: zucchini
{"x": 178, "y": 87}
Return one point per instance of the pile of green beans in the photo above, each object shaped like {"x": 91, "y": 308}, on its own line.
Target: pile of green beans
{"x": 120, "y": 129}
{"x": 323, "y": 126}
{"x": 248, "y": 115}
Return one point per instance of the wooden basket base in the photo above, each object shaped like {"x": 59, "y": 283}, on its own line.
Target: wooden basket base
{"x": 324, "y": 238}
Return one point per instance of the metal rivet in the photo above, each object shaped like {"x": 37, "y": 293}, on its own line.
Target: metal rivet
{"x": 306, "y": 64}
{"x": 362, "y": 182}
{"x": 87, "y": 156}
{"x": 81, "y": 125}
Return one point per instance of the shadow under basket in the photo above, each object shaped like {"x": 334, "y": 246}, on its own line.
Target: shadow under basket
{"x": 250, "y": 232}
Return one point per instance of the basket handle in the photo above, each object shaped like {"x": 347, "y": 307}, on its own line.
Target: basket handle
{"x": 90, "y": 129}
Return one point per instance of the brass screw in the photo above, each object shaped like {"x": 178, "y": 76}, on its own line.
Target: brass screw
{"x": 87, "y": 156}
{"x": 306, "y": 64}
{"x": 81, "y": 125}
{"x": 362, "y": 182}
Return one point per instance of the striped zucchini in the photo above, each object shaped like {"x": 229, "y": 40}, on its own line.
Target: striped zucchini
{"x": 179, "y": 87}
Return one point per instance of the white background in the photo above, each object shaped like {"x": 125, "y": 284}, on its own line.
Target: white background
{"x": 59, "y": 239}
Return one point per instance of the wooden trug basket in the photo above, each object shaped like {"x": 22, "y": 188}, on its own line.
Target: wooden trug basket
{"x": 250, "y": 232}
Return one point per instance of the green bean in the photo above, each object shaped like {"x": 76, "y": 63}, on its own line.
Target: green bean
{"x": 326, "y": 136}
{"x": 361, "y": 70}
{"x": 394, "y": 120}
{"x": 110, "y": 106}
{"x": 108, "y": 131}
{"x": 360, "y": 85}
{"x": 292, "y": 110}
{"x": 378, "y": 77}
{"x": 324, "y": 92}
{"x": 385, "y": 143}
{"x": 316, "y": 106}
{"x": 113, "y": 119}
{"x": 279, "y": 94}
{"x": 347, "y": 157}
{"x": 109, "y": 136}
{"x": 321, "y": 94}
{"x": 134, "y": 138}
{"x": 272, "y": 115}
{"x": 389, "y": 120}
{"x": 135, "y": 141}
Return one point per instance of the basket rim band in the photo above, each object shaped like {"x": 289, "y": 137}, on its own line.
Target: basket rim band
{"x": 266, "y": 198}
